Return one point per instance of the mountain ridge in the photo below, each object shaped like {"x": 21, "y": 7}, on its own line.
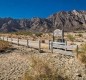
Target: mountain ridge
{"x": 69, "y": 20}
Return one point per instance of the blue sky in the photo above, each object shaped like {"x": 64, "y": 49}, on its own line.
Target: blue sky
{"x": 38, "y": 8}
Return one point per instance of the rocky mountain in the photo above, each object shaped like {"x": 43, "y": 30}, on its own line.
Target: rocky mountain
{"x": 69, "y": 20}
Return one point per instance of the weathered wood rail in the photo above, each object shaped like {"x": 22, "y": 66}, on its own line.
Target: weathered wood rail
{"x": 61, "y": 45}
{"x": 53, "y": 46}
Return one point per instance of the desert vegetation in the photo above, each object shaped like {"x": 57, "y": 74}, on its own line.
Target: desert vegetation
{"x": 41, "y": 70}
{"x": 82, "y": 53}
{"x": 80, "y": 35}
{"x": 70, "y": 37}
{"x": 27, "y": 33}
{"x": 23, "y": 33}
{"x": 3, "y": 45}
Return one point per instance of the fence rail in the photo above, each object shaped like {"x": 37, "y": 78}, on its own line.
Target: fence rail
{"x": 38, "y": 45}
{"x": 28, "y": 43}
{"x": 64, "y": 45}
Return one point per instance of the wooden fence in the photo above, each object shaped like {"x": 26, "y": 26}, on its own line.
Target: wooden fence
{"x": 37, "y": 44}
{"x": 23, "y": 42}
{"x": 63, "y": 46}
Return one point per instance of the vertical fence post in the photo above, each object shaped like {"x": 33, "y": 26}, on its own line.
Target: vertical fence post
{"x": 7, "y": 38}
{"x": 39, "y": 46}
{"x": 51, "y": 46}
{"x": 18, "y": 41}
{"x": 27, "y": 43}
{"x": 77, "y": 51}
{"x": 66, "y": 45}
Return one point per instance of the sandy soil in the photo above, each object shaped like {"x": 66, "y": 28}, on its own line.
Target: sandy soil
{"x": 15, "y": 62}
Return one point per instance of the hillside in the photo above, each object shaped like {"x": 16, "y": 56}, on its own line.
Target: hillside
{"x": 70, "y": 20}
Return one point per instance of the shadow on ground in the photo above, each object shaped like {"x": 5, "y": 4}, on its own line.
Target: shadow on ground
{"x": 6, "y": 51}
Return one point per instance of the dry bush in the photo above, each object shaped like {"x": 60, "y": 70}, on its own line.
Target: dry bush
{"x": 40, "y": 70}
{"x": 71, "y": 37}
{"x": 22, "y": 32}
{"x": 82, "y": 53}
{"x": 38, "y": 34}
{"x": 80, "y": 35}
{"x": 4, "y": 45}
{"x": 82, "y": 58}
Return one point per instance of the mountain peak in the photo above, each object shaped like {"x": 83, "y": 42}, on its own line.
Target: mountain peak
{"x": 70, "y": 20}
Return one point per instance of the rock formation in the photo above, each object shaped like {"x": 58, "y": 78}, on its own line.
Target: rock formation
{"x": 70, "y": 20}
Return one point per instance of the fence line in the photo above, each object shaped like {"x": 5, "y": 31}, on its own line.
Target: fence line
{"x": 37, "y": 45}
{"x": 23, "y": 42}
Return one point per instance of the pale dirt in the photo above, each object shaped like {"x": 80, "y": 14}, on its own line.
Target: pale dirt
{"x": 14, "y": 63}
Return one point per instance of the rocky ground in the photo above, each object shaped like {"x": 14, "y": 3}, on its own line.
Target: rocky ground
{"x": 16, "y": 61}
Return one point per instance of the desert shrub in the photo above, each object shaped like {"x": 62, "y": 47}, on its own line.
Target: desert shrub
{"x": 4, "y": 45}
{"x": 80, "y": 35}
{"x": 82, "y": 58}
{"x": 40, "y": 70}
{"x": 38, "y": 34}
{"x": 82, "y": 49}
{"x": 23, "y": 33}
{"x": 71, "y": 37}
{"x": 82, "y": 53}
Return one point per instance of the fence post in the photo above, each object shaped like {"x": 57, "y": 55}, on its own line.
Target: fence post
{"x": 77, "y": 51}
{"x": 65, "y": 45}
{"x": 39, "y": 46}
{"x": 18, "y": 41}
{"x": 27, "y": 43}
{"x": 7, "y": 38}
{"x": 51, "y": 46}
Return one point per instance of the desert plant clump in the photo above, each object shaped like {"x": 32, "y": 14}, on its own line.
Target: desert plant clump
{"x": 83, "y": 48}
{"x": 82, "y": 53}
{"x": 38, "y": 34}
{"x": 23, "y": 33}
{"x": 80, "y": 35}
{"x": 3, "y": 45}
{"x": 40, "y": 70}
{"x": 71, "y": 37}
